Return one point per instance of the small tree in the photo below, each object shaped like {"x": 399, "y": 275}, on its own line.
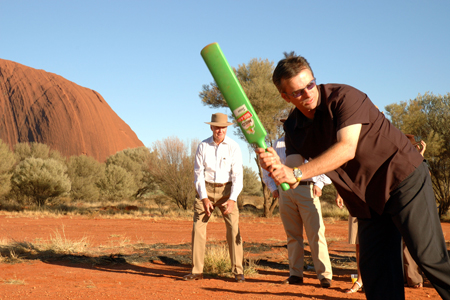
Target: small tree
{"x": 136, "y": 161}
{"x": 40, "y": 179}
{"x": 252, "y": 186}
{"x": 427, "y": 117}
{"x": 116, "y": 183}
{"x": 173, "y": 169}
{"x": 84, "y": 172}
{"x": 7, "y": 161}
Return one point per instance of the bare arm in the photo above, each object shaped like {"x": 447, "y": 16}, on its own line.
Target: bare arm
{"x": 337, "y": 155}
{"x": 339, "y": 201}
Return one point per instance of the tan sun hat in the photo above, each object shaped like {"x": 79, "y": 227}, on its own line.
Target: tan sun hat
{"x": 220, "y": 120}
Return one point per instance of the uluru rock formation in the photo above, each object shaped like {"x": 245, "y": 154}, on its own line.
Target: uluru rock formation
{"x": 38, "y": 106}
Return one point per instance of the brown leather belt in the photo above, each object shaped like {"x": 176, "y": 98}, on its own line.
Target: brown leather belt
{"x": 305, "y": 182}
{"x": 217, "y": 184}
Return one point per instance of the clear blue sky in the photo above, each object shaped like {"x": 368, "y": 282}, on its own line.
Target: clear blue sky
{"x": 144, "y": 58}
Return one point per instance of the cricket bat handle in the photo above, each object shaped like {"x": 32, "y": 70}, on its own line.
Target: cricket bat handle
{"x": 262, "y": 144}
{"x": 235, "y": 97}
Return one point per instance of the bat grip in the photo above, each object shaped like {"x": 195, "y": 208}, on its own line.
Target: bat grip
{"x": 285, "y": 186}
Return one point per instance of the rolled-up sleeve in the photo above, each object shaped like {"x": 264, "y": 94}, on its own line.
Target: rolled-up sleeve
{"x": 321, "y": 180}
{"x": 269, "y": 181}
{"x": 199, "y": 170}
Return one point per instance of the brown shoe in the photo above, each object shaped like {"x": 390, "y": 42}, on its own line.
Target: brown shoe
{"x": 293, "y": 280}
{"x": 325, "y": 283}
{"x": 239, "y": 278}
{"x": 193, "y": 277}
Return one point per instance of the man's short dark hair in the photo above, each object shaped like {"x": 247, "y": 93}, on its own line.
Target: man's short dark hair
{"x": 289, "y": 67}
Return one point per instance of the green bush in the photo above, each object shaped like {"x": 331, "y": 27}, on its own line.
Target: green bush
{"x": 36, "y": 150}
{"x": 329, "y": 206}
{"x": 40, "y": 179}
{"x": 252, "y": 185}
{"x": 116, "y": 183}
{"x": 136, "y": 161}
{"x": 7, "y": 161}
{"x": 84, "y": 172}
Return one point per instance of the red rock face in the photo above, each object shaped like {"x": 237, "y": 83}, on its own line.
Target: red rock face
{"x": 37, "y": 106}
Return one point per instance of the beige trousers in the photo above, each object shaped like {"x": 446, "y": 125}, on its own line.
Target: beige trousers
{"x": 218, "y": 196}
{"x": 300, "y": 208}
{"x": 412, "y": 272}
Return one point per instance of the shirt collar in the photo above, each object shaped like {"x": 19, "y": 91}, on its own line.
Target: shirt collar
{"x": 320, "y": 90}
{"x": 211, "y": 140}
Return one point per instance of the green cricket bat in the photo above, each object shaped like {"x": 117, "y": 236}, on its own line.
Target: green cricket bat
{"x": 237, "y": 100}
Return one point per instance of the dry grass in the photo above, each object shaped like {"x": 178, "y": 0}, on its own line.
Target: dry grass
{"x": 90, "y": 284}
{"x": 217, "y": 262}
{"x": 62, "y": 245}
{"x": 332, "y": 212}
{"x": 152, "y": 208}
{"x": 146, "y": 209}
{"x": 57, "y": 244}
{"x": 13, "y": 281}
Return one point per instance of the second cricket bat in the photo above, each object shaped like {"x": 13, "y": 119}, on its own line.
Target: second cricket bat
{"x": 235, "y": 97}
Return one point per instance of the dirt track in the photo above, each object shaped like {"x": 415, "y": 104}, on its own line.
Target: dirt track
{"x": 145, "y": 259}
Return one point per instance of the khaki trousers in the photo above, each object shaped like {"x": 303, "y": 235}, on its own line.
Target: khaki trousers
{"x": 300, "y": 208}
{"x": 218, "y": 196}
{"x": 412, "y": 272}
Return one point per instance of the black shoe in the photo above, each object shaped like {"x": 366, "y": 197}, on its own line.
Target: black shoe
{"x": 239, "y": 278}
{"x": 293, "y": 280}
{"x": 325, "y": 283}
{"x": 193, "y": 277}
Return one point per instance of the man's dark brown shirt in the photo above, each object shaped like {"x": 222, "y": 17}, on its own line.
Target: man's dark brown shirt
{"x": 384, "y": 156}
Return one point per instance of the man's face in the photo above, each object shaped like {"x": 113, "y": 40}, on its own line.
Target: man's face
{"x": 306, "y": 101}
{"x": 219, "y": 133}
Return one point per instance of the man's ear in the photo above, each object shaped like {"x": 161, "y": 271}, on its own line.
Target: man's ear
{"x": 285, "y": 97}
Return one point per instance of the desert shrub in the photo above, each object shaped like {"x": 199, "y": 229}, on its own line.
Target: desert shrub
{"x": 329, "y": 194}
{"x": 330, "y": 210}
{"x": 252, "y": 185}
{"x": 329, "y": 207}
{"x": 36, "y": 150}
{"x": 173, "y": 169}
{"x": 446, "y": 217}
{"x": 40, "y": 179}
{"x": 84, "y": 172}
{"x": 136, "y": 161}
{"x": 116, "y": 183}
{"x": 7, "y": 161}
{"x": 161, "y": 201}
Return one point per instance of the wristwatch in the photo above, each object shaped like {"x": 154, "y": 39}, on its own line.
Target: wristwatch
{"x": 298, "y": 174}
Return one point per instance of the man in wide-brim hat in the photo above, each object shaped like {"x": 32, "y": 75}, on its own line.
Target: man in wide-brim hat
{"x": 218, "y": 181}
{"x": 219, "y": 124}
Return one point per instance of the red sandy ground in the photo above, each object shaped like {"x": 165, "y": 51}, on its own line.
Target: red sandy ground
{"x": 155, "y": 279}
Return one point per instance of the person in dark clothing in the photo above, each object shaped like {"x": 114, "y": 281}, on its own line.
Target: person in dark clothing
{"x": 382, "y": 178}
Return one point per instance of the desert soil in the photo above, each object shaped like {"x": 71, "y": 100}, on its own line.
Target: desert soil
{"x": 146, "y": 259}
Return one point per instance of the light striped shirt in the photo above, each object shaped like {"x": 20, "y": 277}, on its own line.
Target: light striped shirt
{"x": 218, "y": 164}
{"x": 280, "y": 148}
